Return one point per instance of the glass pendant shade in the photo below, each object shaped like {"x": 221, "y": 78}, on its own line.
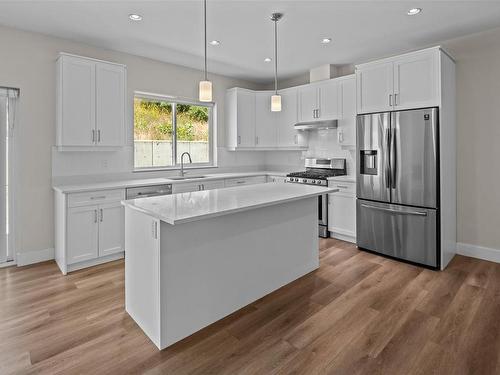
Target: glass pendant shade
{"x": 205, "y": 91}
{"x": 276, "y": 103}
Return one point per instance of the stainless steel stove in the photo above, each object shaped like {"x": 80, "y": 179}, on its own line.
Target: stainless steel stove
{"x": 317, "y": 173}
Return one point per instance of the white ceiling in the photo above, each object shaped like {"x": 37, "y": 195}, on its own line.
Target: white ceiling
{"x": 171, "y": 31}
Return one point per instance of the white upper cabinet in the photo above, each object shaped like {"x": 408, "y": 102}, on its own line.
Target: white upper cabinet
{"x": 375, "y": 87}
{"x": 328, "y": 100}
{"x": 346, "y": 131}
{"x": 265, "y": 120}
{"x": 110, "y": 99}
{"x": 76, "y": 100}
{"x": 319, "y": 101}
{"x": 240, "y": 118}
{"x": 408, "y": 81}
{"x": 250, "y": 123}
{"x": 308, "y": 103}
{"x": 287, "y": 118}
{"x": 416, "y": 80}
{"x": 90, "y": 103}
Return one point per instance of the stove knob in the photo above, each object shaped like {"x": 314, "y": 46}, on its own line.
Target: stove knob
{"x": 318, "y": 182}
{"x": 304, "y": 181}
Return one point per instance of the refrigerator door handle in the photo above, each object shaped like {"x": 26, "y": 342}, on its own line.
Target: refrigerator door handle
{"x": 393, "y": 158}
{"x": 399, "y": 212}
{"x": 387, "y": 166}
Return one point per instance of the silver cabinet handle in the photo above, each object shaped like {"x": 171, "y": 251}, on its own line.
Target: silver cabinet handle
{"x": 342, "y": 187}
{"x": 239, "y": 139}
{"x": 398, "y": 212}
{"x": 93, "y": 135}
{"x": 395, "y": 99}
{"x": 103, "y": 197}
{"x": 390, "y": 100}
{"x": 240, "y": 182}
{"x": 102, "y": 214}
{"x": 314, "y": 113}
{"x": 318, "y": 113}
{"x": 295, "y": 139}
{"x": 95, "y": 216}
{"x": 256, "y": 140}
{"x": 99, "y": 136}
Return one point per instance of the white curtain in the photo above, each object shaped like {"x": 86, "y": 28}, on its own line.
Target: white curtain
{"x": 8, "y": 102}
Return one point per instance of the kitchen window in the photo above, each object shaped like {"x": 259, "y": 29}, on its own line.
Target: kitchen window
{"x": 164, "y": 128}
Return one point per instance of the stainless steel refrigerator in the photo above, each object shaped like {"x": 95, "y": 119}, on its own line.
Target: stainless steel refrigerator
{"x": 397, "y": 211}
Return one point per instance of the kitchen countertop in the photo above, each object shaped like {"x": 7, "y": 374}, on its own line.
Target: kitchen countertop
{"x": 122, "y": 184}
{"x": 186, "y": 207}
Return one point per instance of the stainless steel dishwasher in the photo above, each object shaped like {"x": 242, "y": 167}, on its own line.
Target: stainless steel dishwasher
{"x": 148, "y": 191}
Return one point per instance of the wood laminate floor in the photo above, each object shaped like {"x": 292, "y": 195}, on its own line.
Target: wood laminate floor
{"x": 358, "y": 314}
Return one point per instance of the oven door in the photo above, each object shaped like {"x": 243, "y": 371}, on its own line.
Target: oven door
{"x": 323, "y": 215}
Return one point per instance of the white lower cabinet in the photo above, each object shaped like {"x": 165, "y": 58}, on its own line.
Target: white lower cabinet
{"x": 82, "y": 242}
{"x": 342, "y": 211}
{"x": 246, "y": 181}
{"x": 111, "y": 228}
{"x": 89, "y": 228}
{"x": 197, "y": 186}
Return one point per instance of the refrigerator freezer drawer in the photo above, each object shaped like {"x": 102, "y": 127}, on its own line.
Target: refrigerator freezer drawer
{"x": 407, "y": 233}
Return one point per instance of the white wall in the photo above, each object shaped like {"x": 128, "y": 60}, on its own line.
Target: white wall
{"x": 478, "y": 137}
{"x": 28, "y": 63}
{"x": 322, "y": 144}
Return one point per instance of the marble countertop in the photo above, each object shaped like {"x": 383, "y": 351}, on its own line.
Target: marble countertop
{"x": 187, "y": 207}
{"x": 122, "y": 184}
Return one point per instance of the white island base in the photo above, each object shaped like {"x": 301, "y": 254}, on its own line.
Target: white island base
{"x": 181, "y": 278}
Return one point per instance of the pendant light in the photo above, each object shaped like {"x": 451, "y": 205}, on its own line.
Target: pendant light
{"x": 276, "y": 99}
{"x": 205, "y": 94}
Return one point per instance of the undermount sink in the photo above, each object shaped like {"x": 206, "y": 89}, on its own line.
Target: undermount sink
{"x": 186, "y": 177}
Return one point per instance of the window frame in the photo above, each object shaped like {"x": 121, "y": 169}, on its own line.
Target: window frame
{"x": 212, "y": 133}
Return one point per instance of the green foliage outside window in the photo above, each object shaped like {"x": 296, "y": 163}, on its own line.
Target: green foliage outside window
{"x": 153, "y": 121}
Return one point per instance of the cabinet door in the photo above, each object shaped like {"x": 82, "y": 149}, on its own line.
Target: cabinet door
{"x": 329, "y": 99}
{"x": 82, "y": 241}
{"x": 110, "y": 91}
{"x": 287, "y": 135}
{"x": 342, "y": 214}
{"x": 416, "y": 81}
{"x": 245, "y": 118}
{"x": 346, "y": 131}
{"x": 186, "y": 187}
{"x": 375, "y": 89}
{"x": 111, "y": 226}
{"x": 308, "y": 102}
{"x": 265, "y": 121}
{"x": 78, "y": 102}
{"x": 210, "y": 185}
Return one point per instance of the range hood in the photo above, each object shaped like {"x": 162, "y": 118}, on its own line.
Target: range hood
{"x": 316, "y": 125}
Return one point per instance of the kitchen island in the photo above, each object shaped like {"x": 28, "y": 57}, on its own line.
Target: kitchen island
{"x": 194, "y": 258}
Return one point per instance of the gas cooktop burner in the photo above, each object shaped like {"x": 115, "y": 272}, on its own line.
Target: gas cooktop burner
{"x": 317, "y": 171}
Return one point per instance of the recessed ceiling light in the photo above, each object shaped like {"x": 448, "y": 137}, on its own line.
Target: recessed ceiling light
{"x": 135, "y": 17}
{"x": 414, "y": 11}
{"x": 214, "y": 42}
{"x": 267, "y": 59}
{"x": 326, "y": 40}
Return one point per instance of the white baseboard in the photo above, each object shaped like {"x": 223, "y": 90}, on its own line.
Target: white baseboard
{"x": 34, "y": 256}
{"x": 474, "y": 251}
